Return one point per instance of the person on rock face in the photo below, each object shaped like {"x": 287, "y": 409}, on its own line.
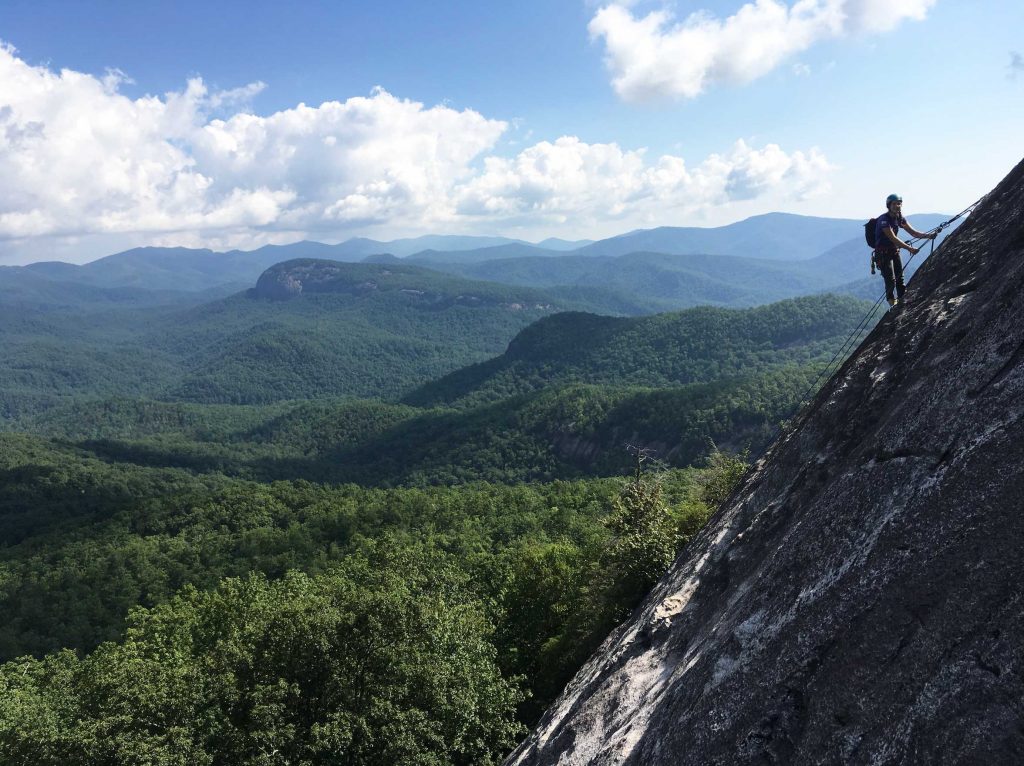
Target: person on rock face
{"x": 887, "y": 251}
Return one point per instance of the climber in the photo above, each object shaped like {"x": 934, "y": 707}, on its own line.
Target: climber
{"x": 887, "y": 248}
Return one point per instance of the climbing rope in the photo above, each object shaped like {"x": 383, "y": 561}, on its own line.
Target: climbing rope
{"x": 862, "y": 327}
{"x": 944, "y": 224}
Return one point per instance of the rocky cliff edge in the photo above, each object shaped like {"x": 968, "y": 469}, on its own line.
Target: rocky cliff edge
{"x": 860, "y": 597}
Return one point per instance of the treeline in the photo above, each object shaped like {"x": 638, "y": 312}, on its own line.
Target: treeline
{"x": 560, "y": 403}
{"x": 377, "y": 626}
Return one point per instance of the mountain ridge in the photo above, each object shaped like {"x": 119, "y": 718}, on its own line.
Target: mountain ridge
{"x": 774, "y": 236}
{"x": 674, "y": 348}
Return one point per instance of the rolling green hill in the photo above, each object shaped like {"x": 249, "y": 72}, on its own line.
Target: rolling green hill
{"x": 727, "y": 375}
{"x": 223, "y": 557}
{"x": 695, "y": 345}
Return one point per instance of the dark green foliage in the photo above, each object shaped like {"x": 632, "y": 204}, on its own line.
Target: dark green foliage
{"x": 723, "y": 474}
{"x": 579, "y": 594}
{"x": 139, "y": 535}
{"x": 698, "y": 375}
{"x": 385, "y": 660}
{"x": 85, "y": 540}
{"x": 557, "y": 432}
{"x": 645, "y": 537}
{"x": 250, "y": 350}
{"x": 648, "y": 531}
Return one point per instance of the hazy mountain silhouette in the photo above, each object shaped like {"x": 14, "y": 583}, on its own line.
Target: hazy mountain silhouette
{"x": 773, "y": 236}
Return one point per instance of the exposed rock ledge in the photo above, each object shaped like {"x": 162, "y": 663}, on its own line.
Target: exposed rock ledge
{"x": 860, "y": 598}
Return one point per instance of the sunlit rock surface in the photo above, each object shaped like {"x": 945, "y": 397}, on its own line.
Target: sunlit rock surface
{"x": 860, "y": 598}
{"x": 290, "y": 278}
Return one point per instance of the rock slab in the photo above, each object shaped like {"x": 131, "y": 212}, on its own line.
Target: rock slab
{"x": 860, "y": 598}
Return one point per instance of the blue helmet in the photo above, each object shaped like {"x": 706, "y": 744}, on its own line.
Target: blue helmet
{"x": 893, "y": 198}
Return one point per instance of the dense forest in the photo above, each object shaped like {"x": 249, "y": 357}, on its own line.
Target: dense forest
{"x": 247, "y": 350}
{"x": 360, "y": 513}
{"x": 372, "y": 625}
{"x": 569, "y": 431}
{"x": 561, "y": 402}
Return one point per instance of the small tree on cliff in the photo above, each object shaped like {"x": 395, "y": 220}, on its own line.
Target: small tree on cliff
{"x": 645, "y": 532}
{"x": 655, "y": 514}
{"x": 649, "y": 530}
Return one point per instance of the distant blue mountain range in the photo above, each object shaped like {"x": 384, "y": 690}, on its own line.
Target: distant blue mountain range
{"x": 771, "y": 237}
{"x": 774, "y": 236}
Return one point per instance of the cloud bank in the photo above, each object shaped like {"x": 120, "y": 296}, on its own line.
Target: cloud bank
{"x": 569, "y": 179}
{"x": 654, "y": 56}
{"x": 80, "y": 159}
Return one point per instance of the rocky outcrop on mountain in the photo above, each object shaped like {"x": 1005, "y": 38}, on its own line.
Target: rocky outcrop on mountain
{"x": 858, "y": 599}
{"x": 290, "y": 278}
{"x": 422, "y": 287}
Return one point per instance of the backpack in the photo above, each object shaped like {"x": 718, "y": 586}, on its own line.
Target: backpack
{"x": 869, "y": 233}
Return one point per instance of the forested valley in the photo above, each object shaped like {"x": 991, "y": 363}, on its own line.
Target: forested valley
{"x": 360, "y": 513}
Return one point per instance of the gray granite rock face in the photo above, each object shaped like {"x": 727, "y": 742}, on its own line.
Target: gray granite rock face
{"x": 289, "y": 279}
{"x": 860, "y": 598}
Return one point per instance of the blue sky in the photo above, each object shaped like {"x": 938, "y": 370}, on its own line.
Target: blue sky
{"x": 124, "y": 124}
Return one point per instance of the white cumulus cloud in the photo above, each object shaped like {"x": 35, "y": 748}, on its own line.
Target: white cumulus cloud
{"x": 589, "y": 183}
{"x": 79, "y": 157}
{"x": 656, "y": 56}
{"x": 83, "y": 162}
